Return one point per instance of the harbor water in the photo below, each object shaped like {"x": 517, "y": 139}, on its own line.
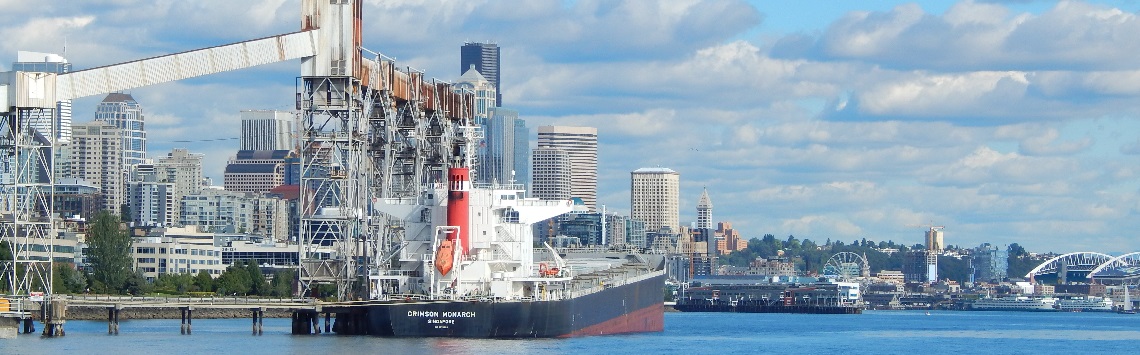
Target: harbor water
{"x": 874, "y": 332}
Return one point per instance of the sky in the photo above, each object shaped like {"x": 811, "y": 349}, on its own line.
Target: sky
{"x": 1004, "y": 121}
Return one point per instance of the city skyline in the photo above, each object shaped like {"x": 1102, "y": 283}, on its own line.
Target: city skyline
{"x": 1004, "y": 121}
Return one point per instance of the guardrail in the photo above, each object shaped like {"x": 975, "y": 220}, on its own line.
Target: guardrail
{"x": 184, "y": 299}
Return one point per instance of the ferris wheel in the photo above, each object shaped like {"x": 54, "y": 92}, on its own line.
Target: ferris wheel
{"x": 847, "y": 266}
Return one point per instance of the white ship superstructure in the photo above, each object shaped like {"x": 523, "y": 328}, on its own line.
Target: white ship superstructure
{"x": 1086, "y": 304}
{"x": 1016, "y": 303}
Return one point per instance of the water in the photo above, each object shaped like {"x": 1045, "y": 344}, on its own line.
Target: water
{"x": 874, "y": 332}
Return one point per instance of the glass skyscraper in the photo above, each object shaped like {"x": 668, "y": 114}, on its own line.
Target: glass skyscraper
{"x": 508, "y": 150}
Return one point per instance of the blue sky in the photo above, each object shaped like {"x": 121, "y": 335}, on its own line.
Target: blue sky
{"x": 1005, "y": 121}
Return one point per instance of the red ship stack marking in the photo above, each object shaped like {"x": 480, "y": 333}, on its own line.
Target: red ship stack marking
{"x": 458, "y": 207}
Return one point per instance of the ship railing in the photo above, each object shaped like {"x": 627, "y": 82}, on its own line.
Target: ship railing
{"x": 498, "y": 186}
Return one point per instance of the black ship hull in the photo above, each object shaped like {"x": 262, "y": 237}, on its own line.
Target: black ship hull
{"x": 630, "y": 308}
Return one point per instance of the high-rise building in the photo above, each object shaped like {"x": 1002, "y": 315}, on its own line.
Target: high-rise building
{"x": 654, "y": 198}
{"x": 551, "y": 170}
{"x": 215, "y": 210}
{"x": 935, "y": 239}
{"x": 151, "y": 202}
{"x": 506, "y": 158}
{"x": 990, "y": 262}
{"x": 256, "y": 170}
{"x": 581, "y": 145}
{"x": 57, "y": 128}
{"x": 485, "y": 58}
{"x": 183, "y": 170}
{"x": 123, "y": 112}
{"x": 266, "y": 130}
{"x": 483, "y": 90}
{"x": 96, "y": 156}
{"x": 522, "y": 152}
{"x": 920, "y": 266}
{"x": 704, "y": 211}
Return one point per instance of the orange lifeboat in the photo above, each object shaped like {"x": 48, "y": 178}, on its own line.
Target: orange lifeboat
{"x": 444, "y": 256}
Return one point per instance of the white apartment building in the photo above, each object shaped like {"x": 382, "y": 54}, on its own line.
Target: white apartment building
{"x": 96, "y": 156}
{"x": 221, "y": 211}
{"x": 151, "y": 203}
{"x": 581, "y": 145}
{"x": 654, "y": 197}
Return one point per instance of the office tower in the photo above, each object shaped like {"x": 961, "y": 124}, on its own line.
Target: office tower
{"x": 57, "y": 128}
{"x": 266, "y": 130}
{"x": 522, "y": 153}
{"x": 990, "y": 262}
{"x": 550, "y": 179}
{"x": 704, "y": 211}
{"x": 96, "y": 156}
{"x": 485, "y": 58}
{"x": 123, "y": 112}
{"x": 506, "y": 159}
{"x": 484, "y": 90}
{"x": 581, "y": 145}
{"x": 654, "y": 199}
{"x": 256, "y": 170}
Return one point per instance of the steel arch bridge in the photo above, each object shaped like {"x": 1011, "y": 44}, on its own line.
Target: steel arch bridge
{"x": 1120, "y": 270}
{"x": 1077, "y": 265}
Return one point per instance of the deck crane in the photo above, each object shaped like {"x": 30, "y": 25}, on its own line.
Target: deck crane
{"x": 390, "y": 130}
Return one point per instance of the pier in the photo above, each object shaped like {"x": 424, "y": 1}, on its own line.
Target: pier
{"x": 19, "y": 316}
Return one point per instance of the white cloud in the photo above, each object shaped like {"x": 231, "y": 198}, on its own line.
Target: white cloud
{"x": 883, "y": 119}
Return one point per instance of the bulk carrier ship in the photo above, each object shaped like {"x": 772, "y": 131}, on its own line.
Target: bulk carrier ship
{"x": 468, "y": 267}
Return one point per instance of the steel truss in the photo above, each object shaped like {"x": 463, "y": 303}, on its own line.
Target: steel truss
{"x": 334, "y": 173}
{"x": 26, "y": 208}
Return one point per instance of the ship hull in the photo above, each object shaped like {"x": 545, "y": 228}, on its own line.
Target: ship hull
{"x": 631, "y": 308}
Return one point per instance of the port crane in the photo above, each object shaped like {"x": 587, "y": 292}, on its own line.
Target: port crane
{"x": 388, "y": 129}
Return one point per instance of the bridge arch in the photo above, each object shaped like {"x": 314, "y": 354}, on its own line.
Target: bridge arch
{"x": 1078, "y": 261}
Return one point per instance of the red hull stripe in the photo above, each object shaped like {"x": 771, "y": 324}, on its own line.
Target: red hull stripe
{"x": 648, "y": 319}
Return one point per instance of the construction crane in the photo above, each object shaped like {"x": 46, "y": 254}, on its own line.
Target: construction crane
{"x": 389, "y": 130}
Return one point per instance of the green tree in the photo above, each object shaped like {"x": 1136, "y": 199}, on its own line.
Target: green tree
{"x": 282, "y": 284}
{"x": 109, "y": 253}
{"x": 68, "y": 280}
{"x": 257, "y": 284}
{"x": 5, "y": 251}
{"x": 234, "y": 281}
{"x": 175, "y": 284}
{"x": 204, "y": 282}
{"x": 136, "y": 284}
